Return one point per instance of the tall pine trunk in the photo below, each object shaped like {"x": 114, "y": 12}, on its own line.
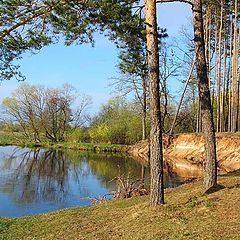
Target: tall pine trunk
{"x": 156, "y": 153}
{"x": 210, "y": 163}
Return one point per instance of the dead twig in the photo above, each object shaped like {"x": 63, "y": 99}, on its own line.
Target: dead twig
{"x": 128, "y": 187}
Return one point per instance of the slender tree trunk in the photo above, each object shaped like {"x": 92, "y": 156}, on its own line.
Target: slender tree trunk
{"x": 144, "y": 108}
{"x": 224, "y": 91}
{"x": 238, "y": 89}
{"x": 156, "y": 154}
{"x": 210, "y": 163}
{"x": 219, "y": 74}
{"x": 206, "y": 31}
{"x": 216, "y": 82}
{"x": 209, "y": 48}
{"x": 143, "y": 173}
{"x": 235, "y": 70}
{"x": 181, "y": 99}
{"x": 238, "y": 123}
{"x": 230, "y": 73}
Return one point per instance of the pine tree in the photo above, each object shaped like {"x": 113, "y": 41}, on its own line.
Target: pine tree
{"x": 210, "y": 163}
{"x": 156, "y": 153}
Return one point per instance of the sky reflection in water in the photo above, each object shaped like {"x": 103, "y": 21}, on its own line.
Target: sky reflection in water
{"x": 43, "y": 180}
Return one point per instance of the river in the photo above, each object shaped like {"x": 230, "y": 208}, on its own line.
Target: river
{"x": 42, "y": 180}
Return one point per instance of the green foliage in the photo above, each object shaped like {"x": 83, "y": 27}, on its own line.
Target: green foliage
{"x": 9, "y": 127}
{"x": 23, "y": 27}
{"x": 28, "y": 25}
{"x": 118, "y": 121}
{"x": 100, "y": 133}
{"x": 74, "y": 135}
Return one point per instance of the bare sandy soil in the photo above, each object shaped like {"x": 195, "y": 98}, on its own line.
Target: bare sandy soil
{"x": 186, "y": 154}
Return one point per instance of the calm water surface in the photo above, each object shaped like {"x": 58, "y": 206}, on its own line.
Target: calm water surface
{"x": 43, "y": 180}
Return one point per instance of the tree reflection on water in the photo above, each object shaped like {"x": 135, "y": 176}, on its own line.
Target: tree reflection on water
{"x": 38, "y": 175}
{"x": 62, "y": 178}
{"x": 45, "y": 175}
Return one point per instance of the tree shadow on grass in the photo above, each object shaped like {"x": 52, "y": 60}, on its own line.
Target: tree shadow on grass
{"x": 234, "y": 186}
{"x": 233, "y": 174}
{"x": 219, "y": 187}
{"x": 214, "y": 189}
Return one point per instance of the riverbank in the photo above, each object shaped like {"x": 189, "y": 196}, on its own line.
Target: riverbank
{"x": 184, "y": 156}
{"x": 191, "y": 148}
{"x": 186, "y": 152}
{"x": 187, "y": 214}
{"x": 17, "y": 140}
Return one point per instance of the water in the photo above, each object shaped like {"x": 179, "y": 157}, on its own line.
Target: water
{"x": 42, "y": 180}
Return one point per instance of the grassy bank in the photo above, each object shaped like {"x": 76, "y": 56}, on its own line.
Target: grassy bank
{"x": 18, "y": 140}
{"x": 187, "y": 214}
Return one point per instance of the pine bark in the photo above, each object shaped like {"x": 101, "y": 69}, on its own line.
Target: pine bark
{"x": 235, "y": 70}
{"x": 156, "y": 153}
{"x": 210, "y": 163}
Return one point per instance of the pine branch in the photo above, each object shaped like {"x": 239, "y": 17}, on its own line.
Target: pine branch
{"x": 6, "y": 32}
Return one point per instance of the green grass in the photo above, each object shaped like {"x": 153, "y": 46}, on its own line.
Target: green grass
{"x": 187, "y": 214}
{"x": 8, "y": 138}
{"x": 18, "y": 140}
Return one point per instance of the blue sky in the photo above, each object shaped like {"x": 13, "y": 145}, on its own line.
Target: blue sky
{"x": 88, "y": 69}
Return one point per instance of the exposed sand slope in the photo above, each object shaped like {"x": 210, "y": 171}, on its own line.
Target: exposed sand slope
{"x": 187, "y": 152}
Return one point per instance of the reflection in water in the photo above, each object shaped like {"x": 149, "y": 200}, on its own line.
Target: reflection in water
{"x": 36, "y": 174}
{"x": 41, "y": 180}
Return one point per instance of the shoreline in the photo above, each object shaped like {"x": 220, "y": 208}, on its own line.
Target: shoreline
{"x": 9, "y": 140}
{"x": 187, "y": 214}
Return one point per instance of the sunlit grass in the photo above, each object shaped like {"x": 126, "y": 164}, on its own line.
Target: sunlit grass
{"x": 187, "y": 214}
